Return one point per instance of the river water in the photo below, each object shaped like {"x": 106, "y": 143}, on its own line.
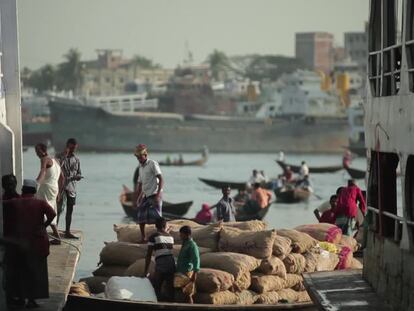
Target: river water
{"x": 98, "y": 206}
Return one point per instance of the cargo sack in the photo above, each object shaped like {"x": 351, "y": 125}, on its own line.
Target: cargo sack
{"x": 282, "y": 246}
{"x": 274, "y": 266}
{"x": 213, "y": 280}
{"x": 183, "y": 281}
{"x": 246, "y": 297}
{"x": 130, "y": 288}
{"x": 322, "y": 232}
{"x": 349, "y": 242}
{"x": 122, "y": 253}
{"x": 269, "y": 298}
{"x": 345, "y": 258}
{"x": 110, "y": 271}
{"x": 301, "y": 242}
{"x": 266, "y": 283}
{"x": 295, "y": 263}
{"x": 356, "y": 264}
{"x": 131, "y": 233}
{"x": 204, "y": 236}
{"x": 176, "y": 250}
{"x": 303, "y": 296}
{"x": 251, "y": 225}
{"x": 184, "y": 222}
{"x": 320, "y": 260}
{"x": 299, "y": 287}
{"x": 138, "y": 267}
{"x": 292, "y": 280}
{"x": 287, "y": 295}
{"x": 257, "y": 244}
{"x": 239, "y": 265}
{"x": 80, "y": 289}
{"x": 218, "y": 298}
{"x": 96, "y": 284}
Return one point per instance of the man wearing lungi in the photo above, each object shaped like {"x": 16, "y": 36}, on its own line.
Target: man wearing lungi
{"x": 149, "y": 188}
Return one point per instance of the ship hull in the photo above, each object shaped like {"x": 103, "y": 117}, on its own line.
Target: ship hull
{"x": 98, "y": 130}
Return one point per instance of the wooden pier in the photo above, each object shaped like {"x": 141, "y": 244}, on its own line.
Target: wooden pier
{"x": 342, "y": 290}
{"x": 61, "y": 263}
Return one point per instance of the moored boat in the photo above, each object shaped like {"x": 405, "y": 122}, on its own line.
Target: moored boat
{"x": 220, "y": 184}
{"x": 312, "y": 169}
{"x": 355, "y": 173}
{"x": 293, "y": 195}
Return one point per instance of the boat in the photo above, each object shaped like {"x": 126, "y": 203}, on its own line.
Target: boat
{"x": 176, "y": 209}
{"x": 355, "y": 173}
{"x": 199, "y": 162}
{"x": 118, "y": 126}
{"x": 80, "y": 303}
{"x": 220, "y": 184}
{"x": 260, "y": 215}
{"x": 312, "y": 169}
{"x": 293, "y": 195}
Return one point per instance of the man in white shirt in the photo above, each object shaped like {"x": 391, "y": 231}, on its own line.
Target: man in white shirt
{"x": 149, "y": 188}
{"x": 304, "y": 170}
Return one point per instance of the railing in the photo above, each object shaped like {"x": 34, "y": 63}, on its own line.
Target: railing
{"x": 398, "y": 220}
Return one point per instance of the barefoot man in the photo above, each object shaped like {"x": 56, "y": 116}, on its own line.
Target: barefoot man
{"x": 149, "y": 190}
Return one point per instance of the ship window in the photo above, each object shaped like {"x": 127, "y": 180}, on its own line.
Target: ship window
{"x": 409, "y": 193}
{"x": 382, "y": 194}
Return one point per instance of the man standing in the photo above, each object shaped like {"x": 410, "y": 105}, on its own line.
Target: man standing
{"x": 188, "y": 262}
{"x": 70, "y": 165}
{"x": 26, "y": 264}
{"x": 161, "y": 244}
{"x": 225, "y": 207}
{"x": 149, "y": 188}
{"x": 347, "y": 207}
{"x": 304, "y": 170}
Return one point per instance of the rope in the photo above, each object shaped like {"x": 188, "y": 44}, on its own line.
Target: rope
{"x": 62, "y": 241}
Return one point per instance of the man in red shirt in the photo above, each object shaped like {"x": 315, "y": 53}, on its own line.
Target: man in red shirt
{"x": 329, "y": 215}
{"x": 347, "y": 207}
{"x": 26, "y": 264}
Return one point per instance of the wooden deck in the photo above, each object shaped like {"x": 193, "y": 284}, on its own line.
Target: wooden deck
{"x": 342, "y": 290}
{"x": 62, "y": 263}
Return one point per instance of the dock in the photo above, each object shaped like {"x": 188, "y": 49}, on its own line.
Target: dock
{"x": 61, "y": 262}
{"x": 342, "y": 290}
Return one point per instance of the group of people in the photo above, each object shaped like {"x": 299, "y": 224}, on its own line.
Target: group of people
{"x": 288, "y": 179}
{"x": 343, "y": 209}
{"x": 26, "y": 217}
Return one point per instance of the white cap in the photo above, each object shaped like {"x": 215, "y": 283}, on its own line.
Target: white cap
{"x": 30, "y": 183}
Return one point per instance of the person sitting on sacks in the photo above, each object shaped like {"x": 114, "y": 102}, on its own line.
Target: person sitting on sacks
{"x": 161, "y": 244}
{"x": 188, "y": 264}
{"x": 204, "y": 216}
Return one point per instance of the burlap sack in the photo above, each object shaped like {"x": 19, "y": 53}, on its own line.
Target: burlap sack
{"x": 356, "y": 264}
{"x": 266, "y": 283}
{"x": 294, "y": 263}
{"x": 80, "y": 289}
{"x": 323, "y": 232}
{"x": 282, "y": 246}
{"x": 218, "y": 298}
{"x": 137, "y": 268}
{"x": 96, "y": 284}
{"x": 299, "y": 287}
{"x": 301, "y": 242}
{"x": 109, "y": 271}
{"x": 246, "y": 297}
{"x": 176, "y": 250}
{"x": 239, "y": 265}
{"x": 131, "y": 233}
{"x": 204, "y": 236}
{"x": 327, "y": 261}
{"x": 122, "y": 253}
{"x": 251, "y": 225}
{"x": 257, "y": 244}
{"x": 269, "y": 298}
{"x": 273, "y": 265}
{"x": 184, "y": 222}
{"x": 303, "y": 296}
{"x": 345, "y": 258}
{"x": 311, "y": 259}
{"x": 349, "y": 242}
{"x": 287, "y": 295}
{"x": 292, "y": 280}
{"x": 213, "y": 280}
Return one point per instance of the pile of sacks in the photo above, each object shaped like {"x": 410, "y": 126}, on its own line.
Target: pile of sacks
{"x": 241, "y": 262}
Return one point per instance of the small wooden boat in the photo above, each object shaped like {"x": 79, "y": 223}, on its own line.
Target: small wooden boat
{"x": 220, "y": 184}
{"x": 355, "y": 173}
{"x": 80, "y": 303}
{"x": 177, "y": 209}
{"x": 293, "y": 195}
{"x": 312, "y": 169}
{"x": 199, "y": 162}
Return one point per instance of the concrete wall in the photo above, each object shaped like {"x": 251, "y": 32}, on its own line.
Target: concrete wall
{"x": 390, "y": 271}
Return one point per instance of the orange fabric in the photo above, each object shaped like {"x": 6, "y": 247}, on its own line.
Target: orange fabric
{"x": 261, "y": 196}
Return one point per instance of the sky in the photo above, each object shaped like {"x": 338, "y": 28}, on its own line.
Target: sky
{"x": 161, "y": 29}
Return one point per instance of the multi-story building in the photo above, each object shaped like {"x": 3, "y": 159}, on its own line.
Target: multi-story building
{"x": 316, "y": 50}
{"x": 356, "y": 47}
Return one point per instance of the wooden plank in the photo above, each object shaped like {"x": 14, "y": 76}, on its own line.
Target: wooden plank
{"x": 342, "y": 290}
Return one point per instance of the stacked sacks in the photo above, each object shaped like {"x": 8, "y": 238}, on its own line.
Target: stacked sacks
{"x": 301, "y": 242}
{"x": 322, "y": 232}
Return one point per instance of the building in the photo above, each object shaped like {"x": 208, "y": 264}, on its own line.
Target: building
{"x": 316, "y": 50}
{"x": 389, "y": 136}
{"x": 356, "y": 47}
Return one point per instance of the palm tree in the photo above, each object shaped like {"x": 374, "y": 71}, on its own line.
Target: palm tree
{"x": 43, "y": 79}
{"x": 219, "y": 62}
{"x": 71, "y": 72}
{"x": 139, "y": 61}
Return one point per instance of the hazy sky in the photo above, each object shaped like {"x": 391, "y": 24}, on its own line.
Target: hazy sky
{"x": 158, "y": 29}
